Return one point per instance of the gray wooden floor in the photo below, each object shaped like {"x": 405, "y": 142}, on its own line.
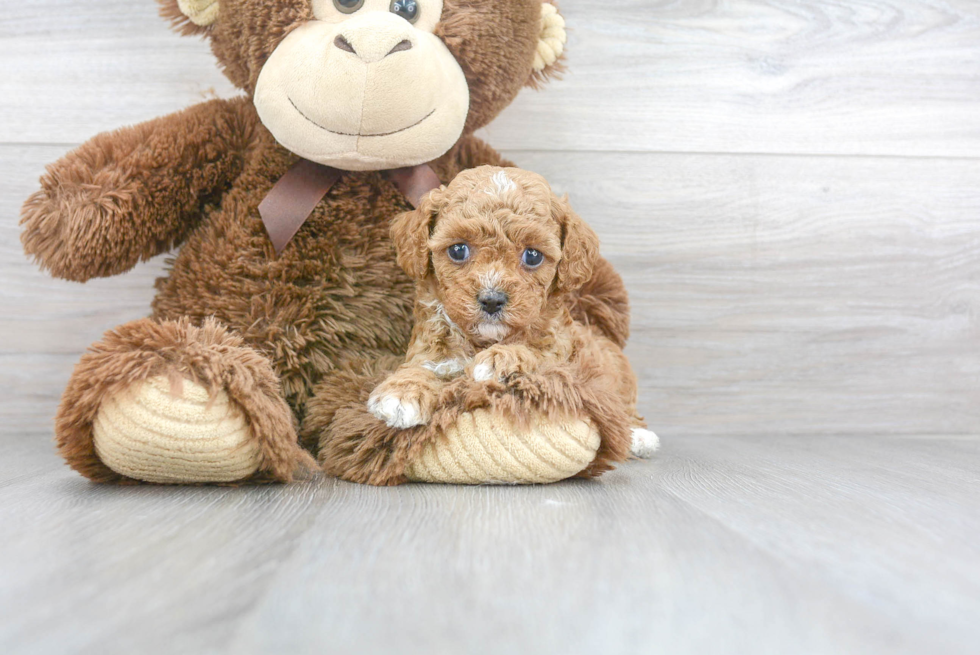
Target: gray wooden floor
{"x": 791, "y": 191}
{"x": 721, "y": 545}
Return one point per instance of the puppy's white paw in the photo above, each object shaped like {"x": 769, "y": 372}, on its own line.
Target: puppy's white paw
{"x": 396, "y": 412}
{"x": 645, "y": 443}
{"x": 483, "y": 372}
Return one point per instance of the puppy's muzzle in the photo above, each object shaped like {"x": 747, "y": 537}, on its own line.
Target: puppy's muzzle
{"x": 492, "y": 302}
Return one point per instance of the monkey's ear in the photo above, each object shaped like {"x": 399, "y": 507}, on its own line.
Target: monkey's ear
{"x": 410, "y": 232}
{"x": 190, "y": 16}
{"x": 579, "y": 247}
{"x": 551, "y": 45}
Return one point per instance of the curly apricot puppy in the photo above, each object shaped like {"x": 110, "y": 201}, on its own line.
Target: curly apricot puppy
{"x": 495, "y": 255}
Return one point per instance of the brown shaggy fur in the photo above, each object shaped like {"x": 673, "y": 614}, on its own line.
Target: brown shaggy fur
{"x": 195, "y": 179}
{"x": 538, "y": 358}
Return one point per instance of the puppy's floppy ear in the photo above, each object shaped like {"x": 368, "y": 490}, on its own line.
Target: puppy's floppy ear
{"x": 410, "y": 231}
{"x": 579, "y": 247}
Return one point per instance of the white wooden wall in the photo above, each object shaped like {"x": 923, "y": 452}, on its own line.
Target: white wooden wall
{"x": 791, "y": 189}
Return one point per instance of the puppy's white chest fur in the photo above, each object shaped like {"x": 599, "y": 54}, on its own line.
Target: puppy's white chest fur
{"x": 494, "y": 332}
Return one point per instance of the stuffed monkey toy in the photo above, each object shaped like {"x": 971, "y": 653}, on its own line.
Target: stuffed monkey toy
{"x": 284, "y": 301}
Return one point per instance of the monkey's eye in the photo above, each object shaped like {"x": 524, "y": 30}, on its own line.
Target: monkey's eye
{"x": 459, "y": 253}
{"x": 407, "y": 9}
{"x": 532, "y": 258}
{"x": 348, "y": 6}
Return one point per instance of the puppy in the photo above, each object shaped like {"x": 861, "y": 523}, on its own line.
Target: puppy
{"x": 495, "y": 256}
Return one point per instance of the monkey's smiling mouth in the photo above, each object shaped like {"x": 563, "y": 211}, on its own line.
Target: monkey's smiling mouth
{"x": 327, "y": 129}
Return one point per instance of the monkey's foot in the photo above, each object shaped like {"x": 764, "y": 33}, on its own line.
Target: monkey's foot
{"x": 158, "y": 432}
{"x": 169, "y": 402}
{"x": 483, "y": 448}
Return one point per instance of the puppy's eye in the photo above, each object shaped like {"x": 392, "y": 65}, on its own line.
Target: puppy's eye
{"x": 407, "y": 9}
{"x": 348, "y": 6}
{"x": 459, "y": 253}
{"x": 532, "y": 258}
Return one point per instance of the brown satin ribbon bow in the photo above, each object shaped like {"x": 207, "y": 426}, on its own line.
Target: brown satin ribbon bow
{"x": 297, "y": 193}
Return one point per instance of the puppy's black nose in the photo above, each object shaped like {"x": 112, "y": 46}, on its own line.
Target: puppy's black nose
{"x": 492, "y": 301}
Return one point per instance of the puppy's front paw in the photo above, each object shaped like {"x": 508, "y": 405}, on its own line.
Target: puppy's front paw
{"x": 398, "y": 411}
{"x": 500, "y": 362}
{"x": 483, "y": 372}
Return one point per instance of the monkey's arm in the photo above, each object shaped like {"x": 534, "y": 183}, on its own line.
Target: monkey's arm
{"x": 129, "y": 195}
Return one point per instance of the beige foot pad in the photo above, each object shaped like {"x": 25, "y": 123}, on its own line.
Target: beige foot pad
{"x": 484, "y": 449}
{"x": 149, "y": 434}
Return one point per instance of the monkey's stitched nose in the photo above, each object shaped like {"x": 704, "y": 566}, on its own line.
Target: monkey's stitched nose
{"x": 371, "y": 41}
{"x": 402, "y": 46}
{"x": 342, "y": 43}
{"x": 492, "y": 301}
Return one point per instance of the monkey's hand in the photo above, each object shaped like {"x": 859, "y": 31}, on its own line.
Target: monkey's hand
{"x": 129, "y": 195}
